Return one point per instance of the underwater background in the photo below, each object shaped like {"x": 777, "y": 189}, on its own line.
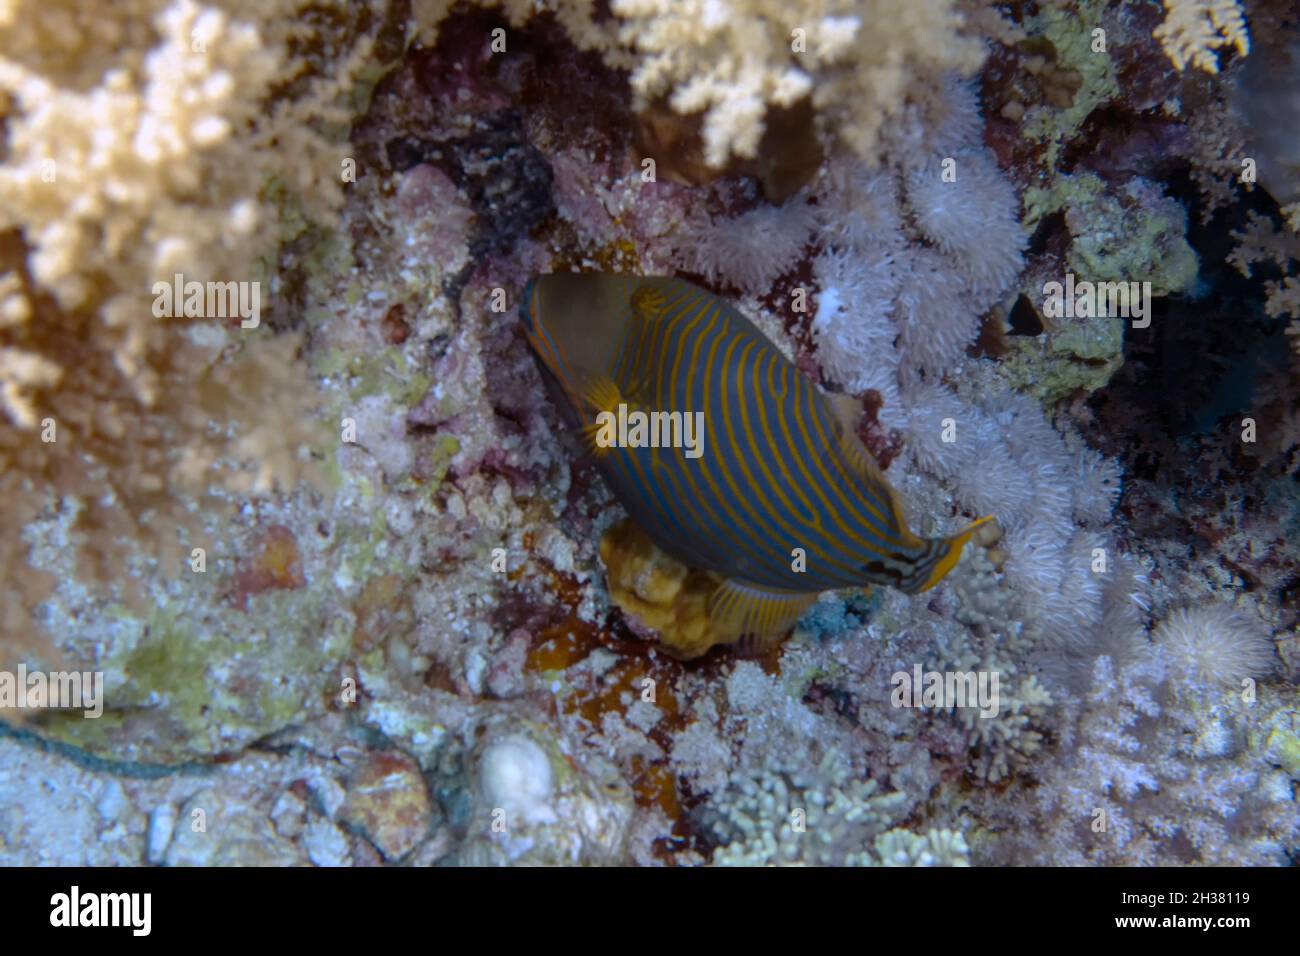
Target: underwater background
{"x": 280, "y": 468}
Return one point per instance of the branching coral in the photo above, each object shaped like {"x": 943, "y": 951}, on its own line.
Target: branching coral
{"x": 827, "y": 819}
{"x": 110, "y": 186}
{"x": 139, "y": 149}
{"x": 942, "y": 847}
{"x": 732, "y": 62}
{"x": 1261, "y": 242}
{"x": 1154, "y": 772}
{"x": 1195, "y": 30}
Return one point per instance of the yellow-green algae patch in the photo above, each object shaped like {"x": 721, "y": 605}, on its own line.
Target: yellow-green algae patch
{"x": 1071, "y": 33}
{"x": 1279, "y": 736}
{"x": 1053, "y": 365}
{"x": 1119, "y": 235}
{"x": 190, "y": 692}
{"x": 1129, "y": 234}
{"x": 193, "y": 681}
{"x": 386, "y": 372}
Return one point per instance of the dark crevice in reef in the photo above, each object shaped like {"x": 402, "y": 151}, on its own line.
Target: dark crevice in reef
{"x": 1051, "y": 237}
{"x": 1199, "y": 364}
{"x": 1118, "y": 143}
{"x": 490, "y": 119}
{"x": 1174, "y": 413}
{"x": 505, "y": 177}
{"x": 1024, "y": 318}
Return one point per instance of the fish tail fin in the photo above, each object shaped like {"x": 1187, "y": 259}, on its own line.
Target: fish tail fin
{"x": 950, "y": 551}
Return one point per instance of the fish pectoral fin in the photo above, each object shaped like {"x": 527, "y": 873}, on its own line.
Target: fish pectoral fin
{"x": 600, "y": 395}
{"x": 738, "y": 609}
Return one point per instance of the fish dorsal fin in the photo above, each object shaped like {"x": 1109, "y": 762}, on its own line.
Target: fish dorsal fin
{"x": 738, "y": 608}
{"x": 846, "y": 410}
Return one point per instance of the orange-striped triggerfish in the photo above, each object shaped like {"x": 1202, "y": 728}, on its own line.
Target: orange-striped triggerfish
{"x": 726, "y": 455}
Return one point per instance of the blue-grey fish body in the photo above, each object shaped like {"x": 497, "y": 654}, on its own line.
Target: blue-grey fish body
{"x": 767, "y": 486}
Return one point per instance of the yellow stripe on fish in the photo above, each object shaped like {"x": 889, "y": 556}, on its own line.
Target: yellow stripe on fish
{"x": 780, "y": 471}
